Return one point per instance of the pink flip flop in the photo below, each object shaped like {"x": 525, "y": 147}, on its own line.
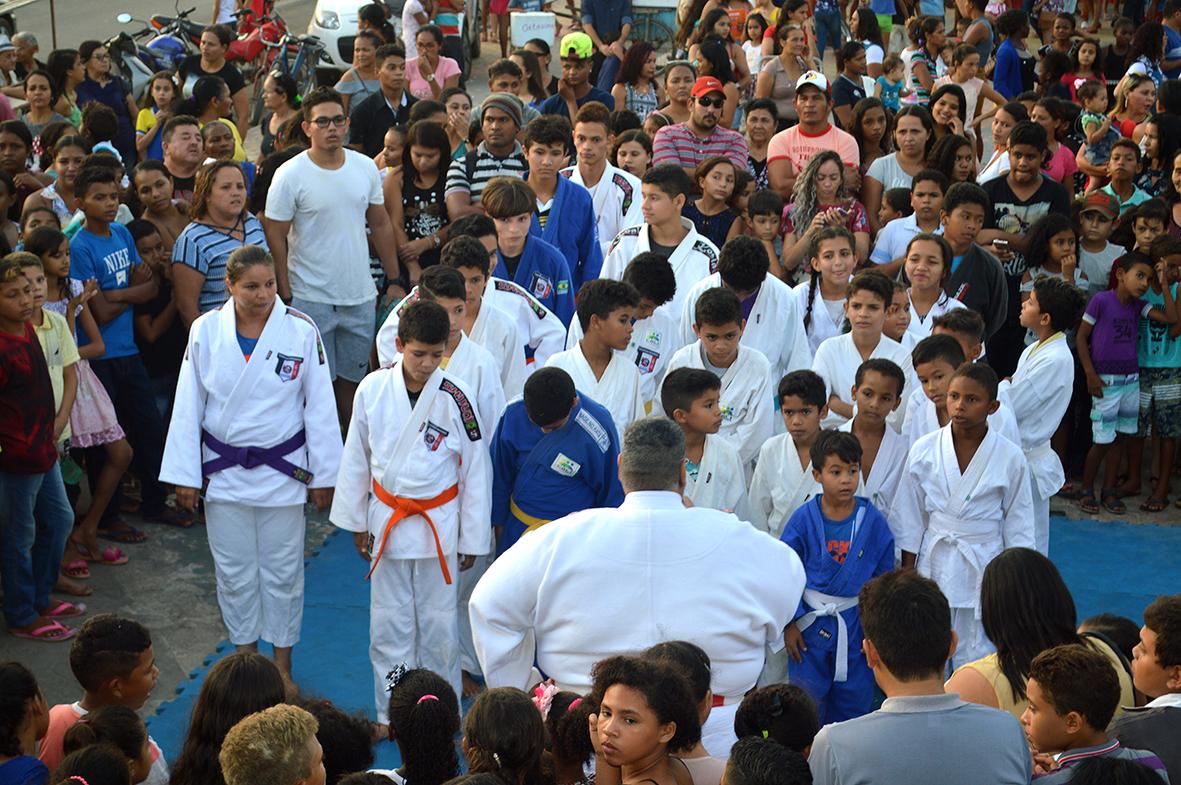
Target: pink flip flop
{"x": 111, "y": 556}
{"x": 65, "y": 610}
{"x": 50, "y": 633}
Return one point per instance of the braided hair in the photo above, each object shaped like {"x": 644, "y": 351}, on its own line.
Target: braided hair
{"x": 827, "y": 233}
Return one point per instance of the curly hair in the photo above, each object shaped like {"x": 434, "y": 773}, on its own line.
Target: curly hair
{"x": 807, "y": 203}
{"x": 566, "y": 725}
{"x": 784, "y": 712}
{"x": 664, "y": 688}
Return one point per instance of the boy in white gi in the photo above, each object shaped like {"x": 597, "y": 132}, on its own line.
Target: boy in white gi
{"x": 414, "y": 488}
{"x": 541, "y": 332}
{"x": 614, "y": 192}
{"x": 665, "y": 231}
{"x": 783, "y": 479}
{"x": 606, "y": 310}
{"x": 463, "y": 358}
{"x": 747, "y": 404}
{"x": 1039, "y": 390}
{"x": 255, "y": 414}
{"x": 963, "y": 498}
{"x": 714, "y": 473}
{"x": 774, "y": 323}
{"x": 655, "y": 335}
{"x": 877, "y": 393}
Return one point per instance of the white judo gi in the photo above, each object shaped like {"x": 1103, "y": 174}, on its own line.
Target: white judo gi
{"x": 420, "y": 482}
{"x": 747, "y": 397}
{"x": 920, "y": 327}
{"x": 255, "y": 516}
{"x": 775, "y": 326}
{"x": 617, "y": 201}
{"x": 957, "y": 523}
{"x": 721, "y": 479}
{"x": 539, "y": 329}
{"x": 652, "y": 345}
{"x": 837, "y": 361}
{"x": 779, "y": 486}
{"x": 700, "y": 575}
{"x": 1038, "y": 394}
{"x": 694, "y": 258}
{"x": 882, "y": 483}
{"x": 921, "y": 418}
{"x": 823, "y": 324}
{"x": 618, "y": 390}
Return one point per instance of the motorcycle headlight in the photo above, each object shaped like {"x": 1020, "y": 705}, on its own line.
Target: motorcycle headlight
{"x": 327, "y": 20}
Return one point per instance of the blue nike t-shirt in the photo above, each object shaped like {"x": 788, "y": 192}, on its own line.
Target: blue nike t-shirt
{"x": 109, "y": 261}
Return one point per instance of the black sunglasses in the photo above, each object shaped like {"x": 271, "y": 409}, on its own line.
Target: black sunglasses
{"x": 708, "y": 102}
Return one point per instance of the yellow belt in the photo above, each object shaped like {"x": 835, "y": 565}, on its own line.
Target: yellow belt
{"x": 524, "y": 517}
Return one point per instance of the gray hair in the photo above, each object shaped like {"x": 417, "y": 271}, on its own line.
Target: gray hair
{"x": 26, "y": 38}
{"x": 652, "y": 455}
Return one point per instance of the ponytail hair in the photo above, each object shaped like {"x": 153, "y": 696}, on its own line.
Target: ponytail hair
{"x": 118, "y": 726}
{"x": 424, "y": 718}
{"x": 18, "y": 687}
{"x": 566, "y": 724}
{"x": 97, "y": 764}
{"x": 504, "y": 736}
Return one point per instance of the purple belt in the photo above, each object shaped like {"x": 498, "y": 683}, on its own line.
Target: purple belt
{"x": 251, "y": 457}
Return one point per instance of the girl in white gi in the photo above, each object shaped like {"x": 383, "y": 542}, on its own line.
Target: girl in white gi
{"x": 414, "y": 488}
{"x": 1039, "y": 390}
{"x": 927, "y": 263}
{"x": 822, "y": 296}
{"x": 839, "y": 357}
{"x": 963, "y": 498}
{"x": 255, "y": 416}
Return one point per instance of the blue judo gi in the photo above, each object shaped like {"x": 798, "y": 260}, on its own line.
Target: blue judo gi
{"x": 539, "y": 477}
{"x": 573, "y": 229}
{"x": 842, "y": 686}
{"x": 543, "y": 273}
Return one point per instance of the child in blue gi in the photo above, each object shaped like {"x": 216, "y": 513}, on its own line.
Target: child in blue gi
{"x": 554, "y": 452}
{"x": 843, "y": 541}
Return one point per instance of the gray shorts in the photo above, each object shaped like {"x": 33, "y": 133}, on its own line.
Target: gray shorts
{"x": 347, "y": 332}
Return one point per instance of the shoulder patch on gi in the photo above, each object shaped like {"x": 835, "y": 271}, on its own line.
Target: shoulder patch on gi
{"x": 320, "y": 356}
{"x": 567, "y": 173}
{"x": 626, "y": 189}
{"x": 510, "y": 287}
{"x": 705, "y": 249}
{"x": 631, "y": 231}
{"x": 588, "y": 423}
{"x": 467, "y": 413}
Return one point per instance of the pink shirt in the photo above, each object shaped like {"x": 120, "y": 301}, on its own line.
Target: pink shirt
{"x": 1062, "y": 167}
{"x": 797, "y": 146}
{"x": 421, "y": 88}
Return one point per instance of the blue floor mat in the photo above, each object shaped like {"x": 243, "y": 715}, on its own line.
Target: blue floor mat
{"x": 1110, "y": 566}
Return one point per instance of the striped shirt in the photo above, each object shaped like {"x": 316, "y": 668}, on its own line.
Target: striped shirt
{"x": 677, "y": 145}
{"x": 469, "y": 175}
{"x": 206, "y": 250}
{"x": 1112, "y": 749}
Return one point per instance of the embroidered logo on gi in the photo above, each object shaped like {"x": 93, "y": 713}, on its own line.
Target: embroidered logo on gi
{"x": 287, "y": 367}
{"x": 467, "y": 413}
{"x": 653, "y": 336}
{"x": 646, "y": 360}
{"x": 434, "y": 436}
{"x": 540, "y": 286}
{"x": 563, "y": 287}
{"x": 565, "y": 465}
{"x": 626, "y": 189}
{"x": 727, "y": 412}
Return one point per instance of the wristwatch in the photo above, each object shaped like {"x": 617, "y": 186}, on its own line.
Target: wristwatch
{"x": 430, "y": 77}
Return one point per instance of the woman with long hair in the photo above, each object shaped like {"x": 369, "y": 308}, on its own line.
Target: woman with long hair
{"x": 713, "y": 62}
{"x": 679, "y": 76}
{"x": 236, "y": 687}
{"x": 914, "y": 133}
{"x": 418, "y": 211}
{"x": 280, "y": 97}
{"x": 1161, "y": 141}
{"x": 1025, "y": 608}
{"x": 1135, "y": 100}
{"x": 67, "y": 70}
{"x": 923, "y": 65}
{"x": 361, "y": 78}
{"x": 949, "y": 110}
{"x": 636, "y": 88}
{"x": 40, "y": 97}
{"x": 871, "y": 129}
{"x": 102, "y": 86}
{"x": 955, "y": 157}
{"x": 1148, "y": 49}
{"x": 533, "y": 91}
{"x": 869, "y": 34}
{"x": 211, "y": 102}
{"x": 821, "y": 199}
{"x": 777, "y": 79}
{"x": 1004, "y": 120}
{"x": 459, "y": 116}
{"x": 716, "y": 24}
{"x": 754, "y": 29}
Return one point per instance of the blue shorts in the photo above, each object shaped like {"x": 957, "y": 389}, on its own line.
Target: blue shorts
{"x": 1118, "y": 411}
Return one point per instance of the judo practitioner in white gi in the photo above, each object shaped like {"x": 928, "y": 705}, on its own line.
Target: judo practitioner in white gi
{"x": 877, "y": 394}
{"x": 715, "y": 476}
{"x": 747, "y": 403}
{"x": 255, "y": 415}
{"x": 414, "y": 488}
{"x": 606, "y": 310}
{"x": 655, "y": 570}
{"x": 963, "y": 498}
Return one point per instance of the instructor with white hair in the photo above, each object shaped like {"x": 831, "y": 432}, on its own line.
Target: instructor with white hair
{"x": 615, "y": 581}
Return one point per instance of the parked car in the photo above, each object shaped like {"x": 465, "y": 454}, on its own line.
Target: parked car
{"x": 334, "y": 22}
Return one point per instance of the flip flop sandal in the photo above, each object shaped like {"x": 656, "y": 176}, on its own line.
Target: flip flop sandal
{"x": 110, "y": 556}
{"x": 1112, "y": 503}
{"x": 65, "y": 610}
{"x": 1154, "y": 505}
{"x": 1072, "y": 491}
{"x": 76, "y": 569}
{"x": 124, "y": 534}
{"x": 1088, "y": 504}
{"x": 53, "y": 632}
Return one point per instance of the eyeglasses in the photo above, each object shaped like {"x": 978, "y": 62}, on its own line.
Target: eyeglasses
{"x": 708, "y": 102}
{"x": 324, "y": 122}
{"x": 103, "y": 56}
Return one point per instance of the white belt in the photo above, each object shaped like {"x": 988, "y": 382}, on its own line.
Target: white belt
{"x": 829, "y": 605}
{"x": 963, "y": 541}
{"x": 1035, "y": 456}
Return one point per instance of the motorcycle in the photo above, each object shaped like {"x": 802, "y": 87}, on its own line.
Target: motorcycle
{"x": 132, "y": 62}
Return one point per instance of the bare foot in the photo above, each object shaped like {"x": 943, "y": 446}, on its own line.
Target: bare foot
{"x": 471, "y": 687}
{"x": 72, "y": 587}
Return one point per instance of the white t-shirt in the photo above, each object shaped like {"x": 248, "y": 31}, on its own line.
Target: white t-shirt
{"x": 327, "y": 247}
{"x": 894, "y": 236}
{"x": 1097, "y": 267}
{"x": 410, "y": 26}
{"x": 873, "y": 53}
{"x": 997, "y": 167}
{"x": 225, "y": 12}
{"x": 888, "y": 172}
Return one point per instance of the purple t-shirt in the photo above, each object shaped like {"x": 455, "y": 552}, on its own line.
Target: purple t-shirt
{"x": 1114, "y": 330}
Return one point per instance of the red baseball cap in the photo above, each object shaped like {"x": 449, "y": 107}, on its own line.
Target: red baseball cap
{"x": 706, "y": 85}
{"x": 1102, "y": 202}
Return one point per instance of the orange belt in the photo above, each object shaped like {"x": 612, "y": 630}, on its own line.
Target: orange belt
{"x": 405, "y": 508}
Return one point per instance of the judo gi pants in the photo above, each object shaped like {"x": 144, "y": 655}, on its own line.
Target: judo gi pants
{"x": 467, "y": 583}
{"x": 413, "y": 620}
{"x": 1041, "y": 521}
{"x": 836, "y": 701}
{"x": 258, "y": 554}
{"x": 972, "y": 643}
